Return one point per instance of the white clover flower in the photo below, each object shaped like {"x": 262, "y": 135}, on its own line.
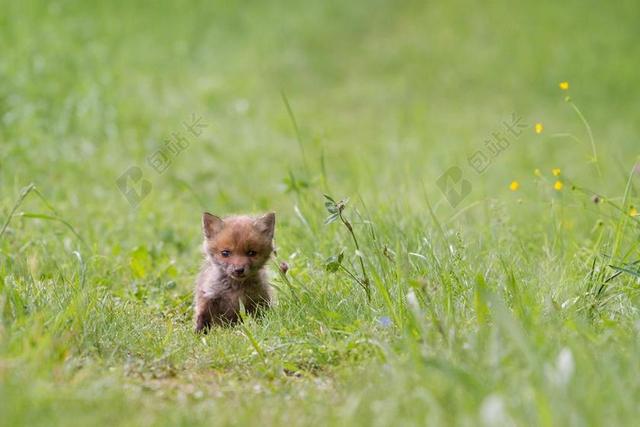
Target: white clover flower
{"x": 493, "y": 412}
{"x": 561, "y": 372}
{"x": 412, "y": 301}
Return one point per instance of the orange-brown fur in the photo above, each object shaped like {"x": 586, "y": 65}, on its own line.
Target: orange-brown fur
{"x": 236, "y": 250}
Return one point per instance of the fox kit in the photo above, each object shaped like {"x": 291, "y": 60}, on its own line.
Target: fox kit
{"x": 236, "y": 250}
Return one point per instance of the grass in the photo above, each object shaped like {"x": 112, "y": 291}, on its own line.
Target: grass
{"x": 514, "y": 307}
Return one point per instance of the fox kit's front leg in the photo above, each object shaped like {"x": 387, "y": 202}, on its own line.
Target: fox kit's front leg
{"x": 214, "y": 311}
{"x": 205, "y": 313}
{"x": 200, "y": 317}
{"x": 236, "y": 250}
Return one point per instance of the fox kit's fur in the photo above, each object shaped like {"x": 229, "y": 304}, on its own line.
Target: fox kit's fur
{"x": 236, "y": 250}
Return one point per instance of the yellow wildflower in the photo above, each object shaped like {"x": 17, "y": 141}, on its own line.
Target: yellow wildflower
{"x": 555, "y": 171}
{"x": 564, "y": 85}
{"x": 514, "y": 185}
{"x": 539, "y": 128}
{"x": 558, "y": 185}
{"x": 537, "y": 172}
{"x": 633, "y": 211}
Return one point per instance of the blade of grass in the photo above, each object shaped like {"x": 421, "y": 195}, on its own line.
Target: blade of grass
{"x": 292, "y": 117}
{"x": 55, "y": 218}
{"x": 23, "y": 194}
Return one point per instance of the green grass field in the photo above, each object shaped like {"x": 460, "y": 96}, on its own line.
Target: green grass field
{"x": 510, "y": 298}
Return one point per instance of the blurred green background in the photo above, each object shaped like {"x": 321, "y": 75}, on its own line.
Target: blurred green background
{"x": 389, "y": 92}
{"x": 384, "y": 97}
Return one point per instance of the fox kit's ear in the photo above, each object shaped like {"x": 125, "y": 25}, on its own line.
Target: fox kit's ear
{"x": 266, "y": 224}
{"x": 211, "y": 225}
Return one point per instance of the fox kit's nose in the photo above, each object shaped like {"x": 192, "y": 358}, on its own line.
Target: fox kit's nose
{"x": 238, "y": 270}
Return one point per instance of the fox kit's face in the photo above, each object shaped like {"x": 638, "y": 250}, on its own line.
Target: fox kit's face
{"x": 239, "y": 245}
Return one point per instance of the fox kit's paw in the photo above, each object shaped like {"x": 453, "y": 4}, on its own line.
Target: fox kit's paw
{"x": 202, "y": 322}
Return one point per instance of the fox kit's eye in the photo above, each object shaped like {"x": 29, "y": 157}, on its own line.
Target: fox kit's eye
{"x": 226, "y": 253}
{"x": 251, "y": 253}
